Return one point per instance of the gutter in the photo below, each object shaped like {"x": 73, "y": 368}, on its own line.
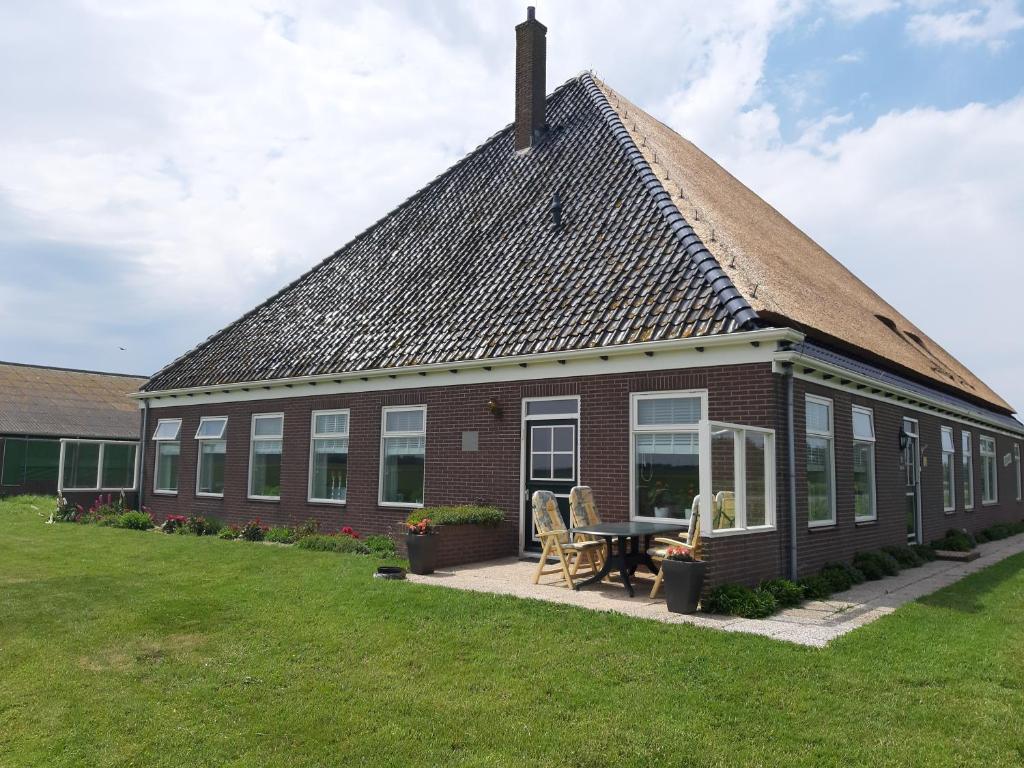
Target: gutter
{"x": 142, "y": 452}
{"x": 791, "y": 471}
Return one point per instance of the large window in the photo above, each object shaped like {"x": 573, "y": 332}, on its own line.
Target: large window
{"x": 328, "y": 457}
{"x": 168, "y": 452}
{"x": 737, "y": 465}
{"x": 864, "y": 504}
{"x": 29, "y": 462}
{"x": 666, "y": 454}
{"x": 821, "y": 495}
{"x": 265, "y": 456}
{"x": 948, "y": 476}
{"x": 967, "y": 473}
{"x": 94, "y": 465}
{"x": 402, "y": 454}
{"x": 213, "y": 449}
{"x": 989, "y": 489}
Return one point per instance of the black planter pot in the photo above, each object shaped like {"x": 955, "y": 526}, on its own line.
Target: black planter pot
{"x": 683, "y": 583}
{"x": 422, "y": 553}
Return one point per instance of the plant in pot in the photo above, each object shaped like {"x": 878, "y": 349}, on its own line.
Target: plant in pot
{"x": 683, "y": 579}
{"x": 661, "y": 500}
{"x": 421, "y": 544}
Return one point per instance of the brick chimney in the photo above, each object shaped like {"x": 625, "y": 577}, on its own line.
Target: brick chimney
{"x": 531, "y": 54}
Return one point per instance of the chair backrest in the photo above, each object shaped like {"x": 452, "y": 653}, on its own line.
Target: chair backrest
{"x": 547, "y": 520}
{"x": 582, "y": 509}
{"x": 725, "y": 509}
{"x": 693, "y": 530}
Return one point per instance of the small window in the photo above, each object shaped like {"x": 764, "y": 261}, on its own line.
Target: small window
{"x": 989, "y": 479}
{"x": 168, "y": 454}
{"x": 265, "y": 449}
{"x": 967, "y": 473}
{"x": 402, "y": 456}
{"x": 328, "y": 463}
{"x": 668, "y": 411}
{"x": 864, "y": 464}
{"x": 948, "y": 475}
{"x": 820, "y": 461}
{"x": 211, "y": 428}
{"x": 568, "y": 406}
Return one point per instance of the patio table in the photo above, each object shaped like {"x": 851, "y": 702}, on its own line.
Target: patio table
{"x": 628, "y": 557}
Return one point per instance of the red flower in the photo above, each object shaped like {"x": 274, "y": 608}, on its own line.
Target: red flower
{"x": 347, "y": 531}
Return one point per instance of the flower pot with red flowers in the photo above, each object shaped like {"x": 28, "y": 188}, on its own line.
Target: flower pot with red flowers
{"x": 683, "y": 578}
{"x": 421, "y": 545}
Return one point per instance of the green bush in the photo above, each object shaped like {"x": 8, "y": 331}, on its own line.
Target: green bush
{"x": 1000, "y": 531}
{"x": 786, "y": 593}
{"x": 737, "y": 600}
{"x": 322, "y": 543}
{"x": 983, "y": 536}
{"x": 253, "y": 531}
{"x": 281, "y": 535}
{"x": 381, "y": 546}
{"x": 816, "y": 587}
{"x": 955, "y": 541}
{"x": 203, "y": 526}
{"x": 842, "y": 576}
{"x": 926, "y": 553}
{"x": 905, "y": 556}
{"x": 876, "y": 565}
{"x": 460, "y": 515}
{"x": 136, "y": 521}
{"x": 308, "y": 528}
{"x": 228, "y": 532}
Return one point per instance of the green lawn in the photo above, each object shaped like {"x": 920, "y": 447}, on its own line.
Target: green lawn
{"x": 127, "y": 648}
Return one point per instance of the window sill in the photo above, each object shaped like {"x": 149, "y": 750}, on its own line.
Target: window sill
{"x": 328, "y": 502}
{"x": 164, "y": 493}
{"x": 662, "y": 520}
{"x": 990, "y": 503}
{"x": 266, "y": 499}
{"x": 725, "y": 533}
{"x": 949, "y": 511}
{"x": 828, "y": 526}
{"x": 865, "y": 521}
{"x": 209, "y": 495}
{"x": 398, "y": 505}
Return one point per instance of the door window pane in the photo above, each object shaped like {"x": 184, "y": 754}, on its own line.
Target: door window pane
{"x": 212, "y": 454}
{"x": 567, "y": 407}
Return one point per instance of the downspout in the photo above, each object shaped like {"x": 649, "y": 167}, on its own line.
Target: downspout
{"x": 142, "y": 450}
{"x": 791, "y": 460}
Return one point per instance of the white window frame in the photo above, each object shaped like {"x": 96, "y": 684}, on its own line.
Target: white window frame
{"x": 552, "y": 452}
{"x": 967, "y": 462}
{"x": 384, "y": 411}
{"x": 634, "y": 428}
{"x": 313, "y": 437}
{"x": 253, "y": 438}
{"x": 874, "y": 466}
{"x": 156, "y": 455}
{"x": 739, "y": 471}
{"x": 949, "y": 456}
{"x": 199, "y": 451}
{"x": 99, "y": 466}
{"x": 1016, "y": 466}
{"x": 830, "y": 436}
{"x": 988, "y": 502}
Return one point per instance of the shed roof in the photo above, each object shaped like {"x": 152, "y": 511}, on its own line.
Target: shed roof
{"x": 62, "y": 402}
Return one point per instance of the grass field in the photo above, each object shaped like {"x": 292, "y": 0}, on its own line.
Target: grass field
{"x": 126, "y": 648}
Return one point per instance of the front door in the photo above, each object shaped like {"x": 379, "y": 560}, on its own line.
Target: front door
{"x": 550, "y": 461}
{"x": 912, "y": 465}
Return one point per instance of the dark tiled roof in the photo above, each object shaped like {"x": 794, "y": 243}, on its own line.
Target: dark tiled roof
{"x": 826, "y": 355}
{"x": 472, "y": 267}
{"x": 58, "y": 402}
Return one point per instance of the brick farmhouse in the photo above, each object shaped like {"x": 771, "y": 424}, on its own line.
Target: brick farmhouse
{"x": 586, "y": 298}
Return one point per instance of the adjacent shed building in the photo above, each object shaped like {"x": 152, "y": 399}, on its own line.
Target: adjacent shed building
{"x": 90, "y": 414}
{"x": 587, "y": 298}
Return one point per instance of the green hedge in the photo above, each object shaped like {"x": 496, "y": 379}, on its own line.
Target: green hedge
{"x": 460, "y": 515}
{"x": 321, "y": 543}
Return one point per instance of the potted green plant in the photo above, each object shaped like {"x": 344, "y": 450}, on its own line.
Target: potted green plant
{"x": 421, "y": 545}
{"x": 661, "y": 500}
{"x": 683, "y": 579}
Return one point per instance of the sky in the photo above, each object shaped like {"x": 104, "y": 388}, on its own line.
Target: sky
{"x": 166, "y": 166}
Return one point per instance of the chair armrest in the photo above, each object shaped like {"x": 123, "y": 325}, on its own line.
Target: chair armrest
{"x": 670, "y": 542}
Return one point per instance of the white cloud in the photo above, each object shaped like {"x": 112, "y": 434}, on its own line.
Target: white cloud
{"x": 857, "y": 10}
{"x": 990, "y": 25}
{"x": 850, "y": 57}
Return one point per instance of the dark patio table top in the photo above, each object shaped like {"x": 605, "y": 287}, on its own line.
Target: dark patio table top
{"x": 630, "y": 529}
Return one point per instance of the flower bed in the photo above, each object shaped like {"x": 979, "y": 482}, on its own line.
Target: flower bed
{"x": 465, "y": 534}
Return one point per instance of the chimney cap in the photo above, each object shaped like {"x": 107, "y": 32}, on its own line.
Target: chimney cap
{"x": 531, "y": 13}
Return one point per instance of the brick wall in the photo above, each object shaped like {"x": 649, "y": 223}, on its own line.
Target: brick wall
{"x": 458, "y": 544}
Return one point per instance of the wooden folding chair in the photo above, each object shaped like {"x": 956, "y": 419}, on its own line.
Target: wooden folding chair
{"x": 690, "y": 538}
{"x": 554, "y": 538}
{"x": 583, "y": 512}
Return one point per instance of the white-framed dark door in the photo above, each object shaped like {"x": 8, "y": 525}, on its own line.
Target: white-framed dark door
{"x": 550, "y": 457}
{"x": 912, "y": 467}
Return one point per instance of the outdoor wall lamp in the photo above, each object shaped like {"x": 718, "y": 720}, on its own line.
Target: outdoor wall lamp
{"x": 904, "y": 439}
{"x": 494, "y": 407}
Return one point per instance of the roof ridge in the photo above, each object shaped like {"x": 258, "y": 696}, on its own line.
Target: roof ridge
{"x": 358, "y": 236}
{"x": 705, "y": 262}
{"x": 75, "y": 370}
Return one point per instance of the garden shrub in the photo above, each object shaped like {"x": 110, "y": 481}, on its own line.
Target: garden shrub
{"x": 228, "y": 532}
{"x": 955, "y": 541}
{"x": 281, "y": 535}
{"x": 738, "y": 600}
{"x": 66, "y": 512}
{"x": 308, "y": 528}
{"x": 905, "y": 556}
{"x": 816, "y": 587}
{"x": 461, "y": 515}
{"x": 173, "y": 522}
{"x": 323, "y": 543}
{"x": 875, "y": 565}
{"x": 926, "y": 553}
{"x": 786, "y": 593}
{"x": 983, "y": 536}
{"x": 842, "y": 576}
{"x": 182, "y": 530}
{"x": 203, "y": 526}
{"x": 254, "y": 530}
{"x": 381, "y": 546}
{"x": 1000, "y": 531}
{"x": 136, "y": 521}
